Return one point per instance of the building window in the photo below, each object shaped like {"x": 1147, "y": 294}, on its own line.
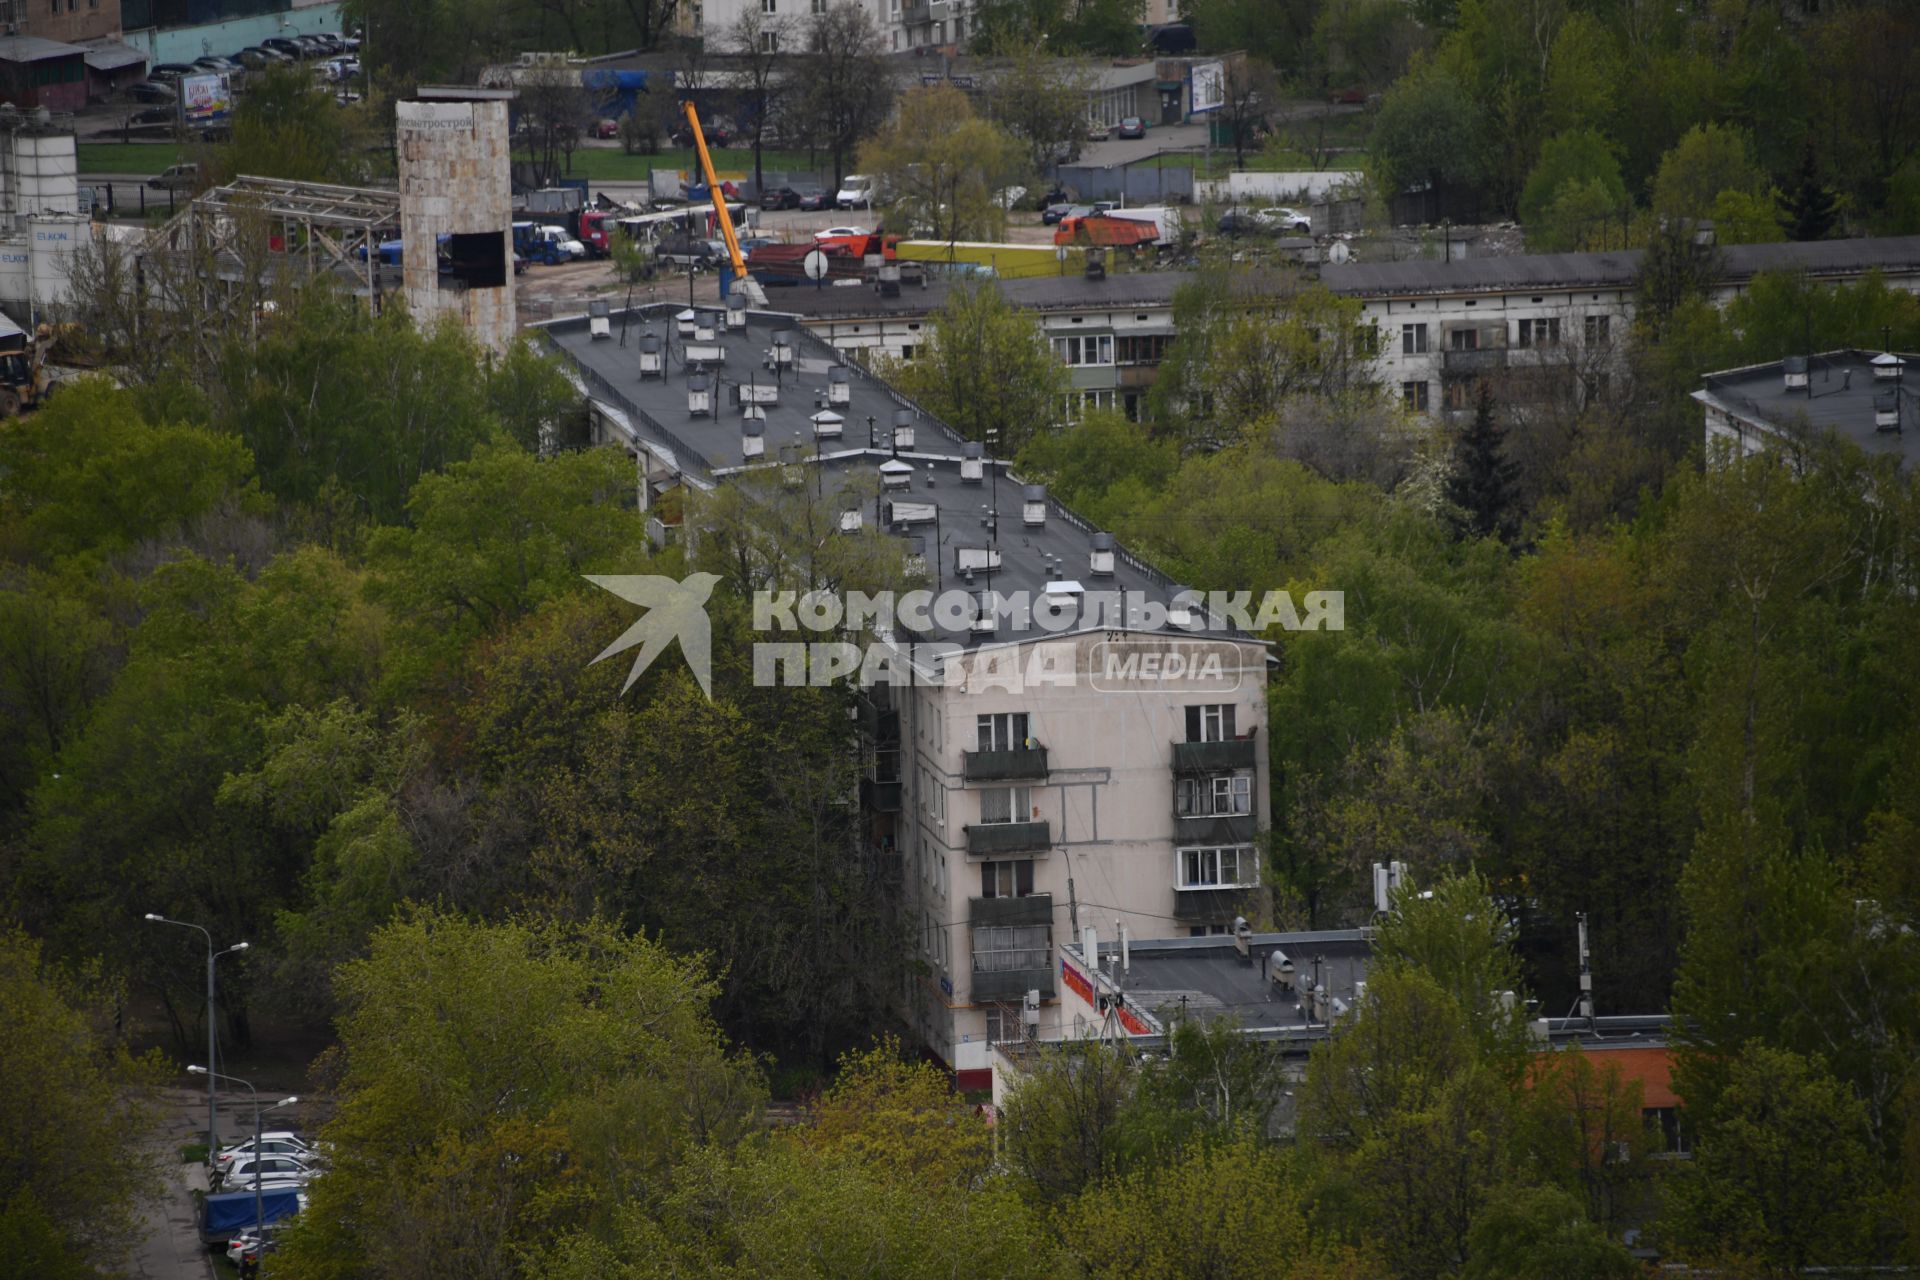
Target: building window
{"x": 1206, "y": 930}
{"x": 1674, "y": 1139}
{"x": 1212, "y": 722}
{"x": 1461, "y": 394}
{"x": 1366, "y": 339}
{"x": 769, "y": 6}
{"x": 1598, "y": 330}
{"x": 1228, "y": 795}
{"x": 1539, "y": 333}
{"x": 1011, "y": 879}
{"x": 1413, "y": 339}
{"x": 1143, "y": 348}
{"x": 1005, "y": 731}
{"x": 1415, "y": 394}
{"x": 1233, "y": 867}
{"x": 1085, "y": 349}
{"x": 908, "y": 350}
{"x": 1003, "y": 804}
{"x": 1005, "y": 948}
{"x": 1464, "y": 340}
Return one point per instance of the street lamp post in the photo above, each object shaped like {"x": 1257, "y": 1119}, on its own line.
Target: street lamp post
{"x": 259, "y": 1213}
{"x": 213, "y": 1132}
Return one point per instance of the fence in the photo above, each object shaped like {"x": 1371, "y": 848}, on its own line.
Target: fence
{"x": 1130, "y": 184}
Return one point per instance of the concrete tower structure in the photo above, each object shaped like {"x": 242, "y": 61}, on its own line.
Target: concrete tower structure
{"x": 455, "y": 181}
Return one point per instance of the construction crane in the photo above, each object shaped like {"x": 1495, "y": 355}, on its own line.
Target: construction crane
{"x": 751, "y": 287}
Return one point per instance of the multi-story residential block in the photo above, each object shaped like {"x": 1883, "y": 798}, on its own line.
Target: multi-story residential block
{"x": 1099, "y": 758}
{"x": 1864, "y": 397}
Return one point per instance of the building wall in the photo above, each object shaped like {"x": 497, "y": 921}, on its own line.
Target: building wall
{"x": 58, "y": 84}
{"x": 454, "y": 169}
{"x": 1108, "y": 799}
{"x": 68, "y": 21}
{"x": 184, "y": 44}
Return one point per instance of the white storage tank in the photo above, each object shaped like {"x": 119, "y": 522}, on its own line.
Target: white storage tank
{"x": 46, "y": 176}
{"x": 56, "y": 239}
{"x": 16, "y": 286}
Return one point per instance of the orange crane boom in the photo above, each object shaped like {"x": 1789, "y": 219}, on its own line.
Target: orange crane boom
{"x": 713, "y": 191}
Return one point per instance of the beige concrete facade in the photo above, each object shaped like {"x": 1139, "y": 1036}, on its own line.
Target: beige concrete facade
{"x": 1099, "y": 761}
{"x": 455, "y": 180}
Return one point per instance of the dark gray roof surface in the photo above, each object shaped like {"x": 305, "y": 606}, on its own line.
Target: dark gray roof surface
{"x": 1839, "y": 398}
{"x": 709, "y": 448}
{"x": 1610, "y": 270}
{"x": 34, "y": 49}
{"x": 1206, "y": 978}
{"x": 1072, "y": 292}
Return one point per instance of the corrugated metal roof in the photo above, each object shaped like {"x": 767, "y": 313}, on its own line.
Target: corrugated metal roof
{"x": 34, "y": 49}
{"x": 111, "y": 55}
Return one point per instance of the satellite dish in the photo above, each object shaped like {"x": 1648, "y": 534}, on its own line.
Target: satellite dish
{"x": 1339, "y": 252}
{"x": 815, "y": 265}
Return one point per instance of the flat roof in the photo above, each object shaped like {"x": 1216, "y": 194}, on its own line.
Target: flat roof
{"x": 1207, "y": 978}
{"x": 935, "y": 505}
{"x": 111, "y": 55}
{"x": 460, "y": 93}
{"x": 1069, "y": 292}
{"x": 1841, "y": 398}
{"x": 1616, "y": 269}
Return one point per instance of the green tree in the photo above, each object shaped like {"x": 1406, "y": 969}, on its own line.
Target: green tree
{"x": 1227, "y": 1209}
{"x": 1812, "y": 208}
{"x": 1430, "y": 131}
{"x": 1539, "y": 1233}
{"x": 1782, "y": 1125}
{"x": 848, "y": 91}
{"x": 547, "y": 1072}
{"x": 1576, "y": 159}
{"x": 944, "y": 165}
{"x": 1481, "y": 484}
{"x": 1042, "y": 102}
{"x": 1708, "y": 160}
{"x": 77, "y": 1116}
{"x": 1101, "y": 464}
{"x": 287, "y": 126}
{"x": 985, "y": 367}
{"x": 900, "y": 1119}
{"x": 1064, "y": 1125}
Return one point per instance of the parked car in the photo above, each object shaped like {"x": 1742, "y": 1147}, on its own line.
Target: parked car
{"x": 219, "y": 65}
{"x": 283, "y": 45}
{"x": 775, "y": 198}
{"x": 1281, "y": 219}
{"x": 857, "y": 191}
{"x": 178, "y": 177}
{"x": 343, "y": 68}
{"x": 153, "y": 115}
{"x": 715, "y": 132}
{"x": 280, "y": 1142}
{"x": 841, "y": 233}
{"x": 1240, "y": 222}
{"x": 603, "y": 128}
{"x": 169, "y": 72}
{"x": 149, "y": 91}
{"x": 1053, "y": 213}
{"x": 815, "y": 198}
{"x": 238, "y": 1175}
{"x": 1096, "y": 131}
{"x": 685, "y": 251}
{"x": 1133, "y": 127}
{"x": 259, "y": 57}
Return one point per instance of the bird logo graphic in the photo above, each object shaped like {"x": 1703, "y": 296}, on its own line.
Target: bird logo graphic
{"x": 675, "y": 610}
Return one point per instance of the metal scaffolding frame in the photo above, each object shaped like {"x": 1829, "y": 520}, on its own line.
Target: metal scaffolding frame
{"x": 334, "y": 229}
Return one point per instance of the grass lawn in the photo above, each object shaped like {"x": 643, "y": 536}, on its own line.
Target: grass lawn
{"x": 611, "y": 164}
{"x": 127, "y": 157}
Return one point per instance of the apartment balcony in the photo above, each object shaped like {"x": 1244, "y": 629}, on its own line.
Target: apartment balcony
{"x": 919, "y": 15}
{"x": 1035, "y": 908}
{"x": 1012, "y": 984}
{"x": 880, "y": 797}
{"x": 995, "y": 838}
{"x": 1465, "y": 364}
{"x": 1210, "y": 906}
{"x": 1214, "y": 757}
{"x": 1213, "y": 829}
{"x": 1005, "y": 766}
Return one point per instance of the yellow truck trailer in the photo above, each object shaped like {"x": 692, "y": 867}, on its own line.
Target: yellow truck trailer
{"x": 1005, "y": 261}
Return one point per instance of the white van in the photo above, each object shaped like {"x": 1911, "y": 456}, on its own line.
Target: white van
{"x": 856, "y": 192}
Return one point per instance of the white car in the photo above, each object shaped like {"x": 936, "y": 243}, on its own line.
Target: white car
{"x": 282, "y": 1143}
{"x": 1284, "y": 220}
{"x": 840, "y": 233}
{"x": 564, "y": 242}
{"x": 856, "y": 192}
{"x": 238, "y": 1175}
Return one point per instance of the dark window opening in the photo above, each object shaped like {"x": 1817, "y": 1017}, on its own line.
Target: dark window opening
{"x": 479, "y": 258}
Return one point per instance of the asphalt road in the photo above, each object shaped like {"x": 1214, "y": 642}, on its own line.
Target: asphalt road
{"x": 169, "y": 1247}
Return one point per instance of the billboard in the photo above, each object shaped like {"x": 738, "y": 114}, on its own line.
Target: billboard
{"x": 1209, "y": 89}
{"x": 205, "y": 99}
